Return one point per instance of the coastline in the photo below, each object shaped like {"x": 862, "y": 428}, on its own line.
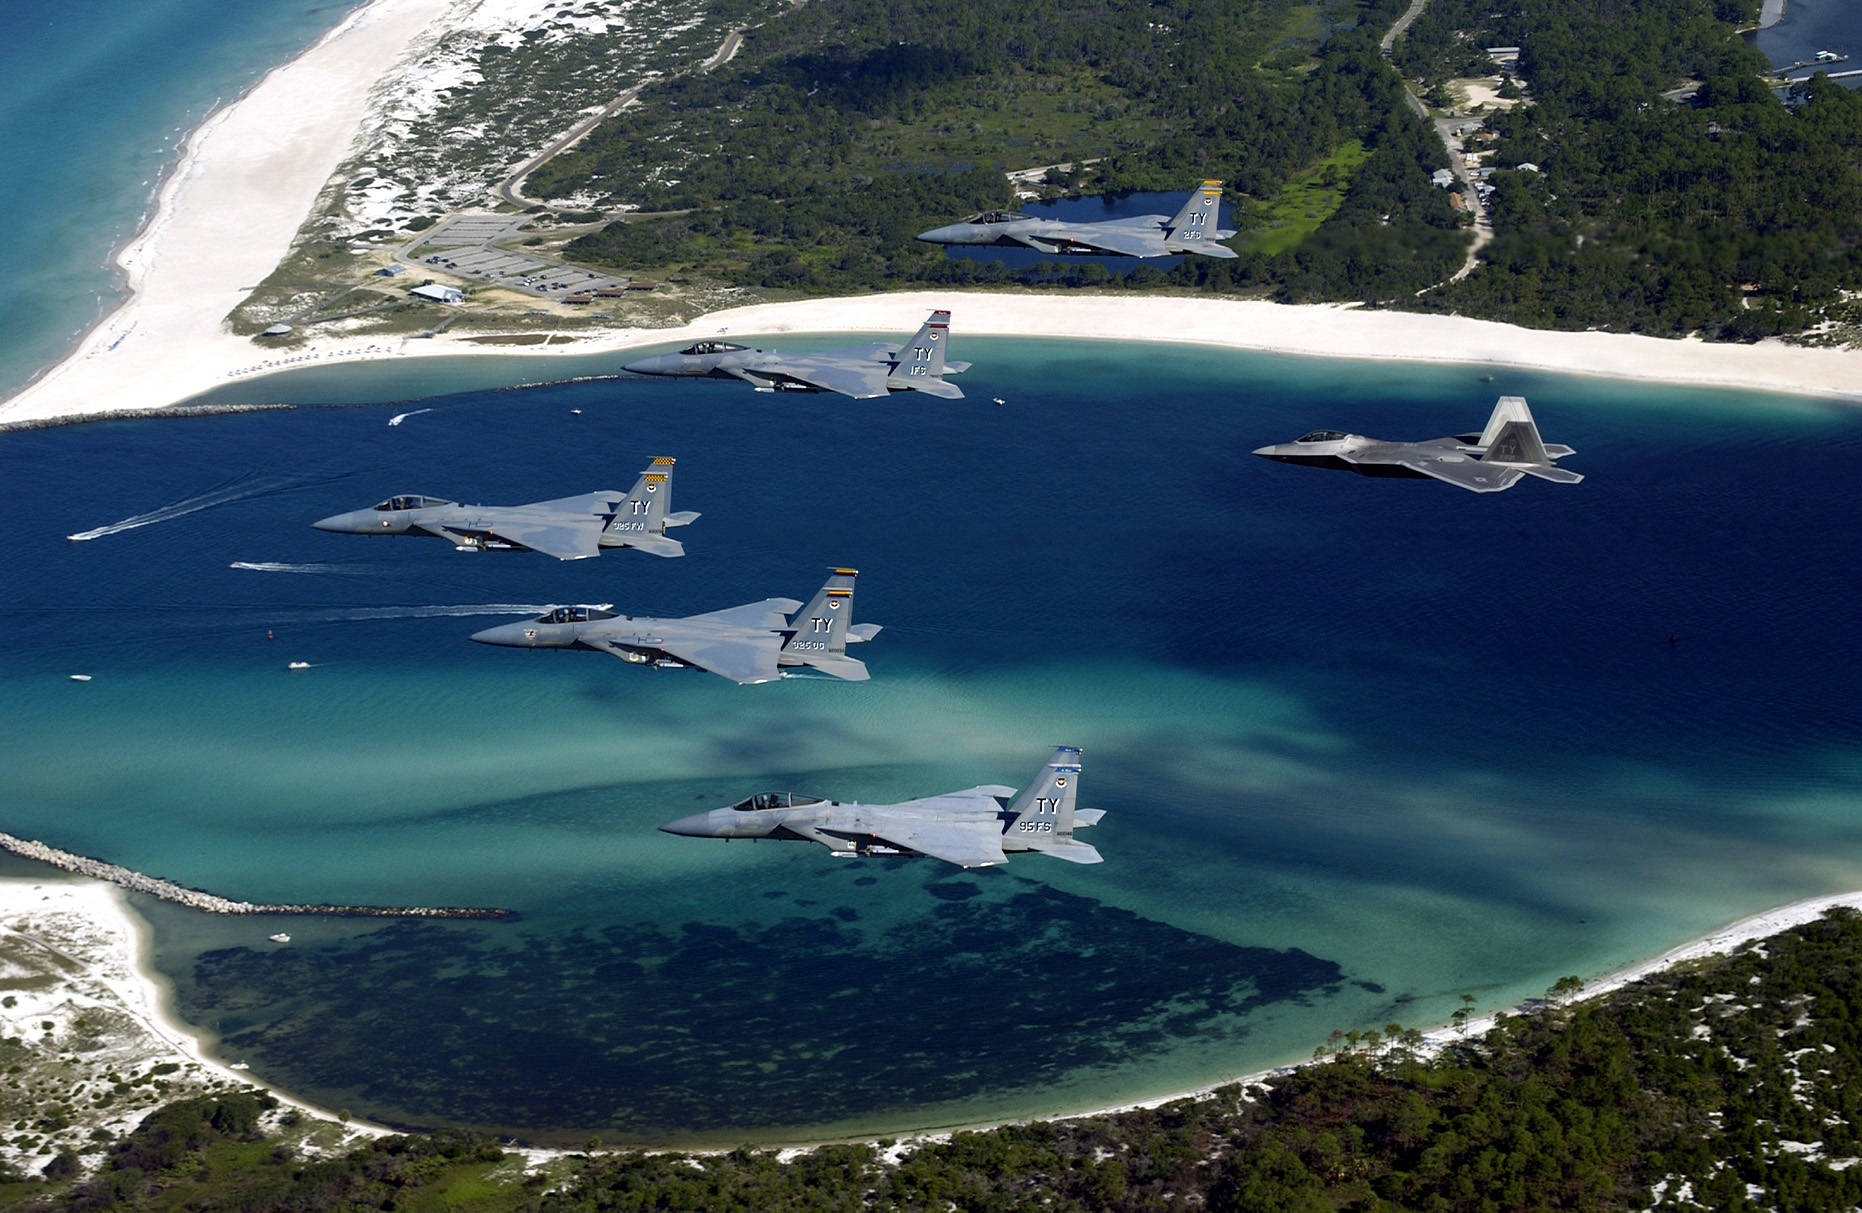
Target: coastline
{"x": 1717, "y": 942}
{"x": 118, "y": 959}
{"x": 248, "y": 177}
{"x": 223, "y": 217}
{"x": 97, "y": 950}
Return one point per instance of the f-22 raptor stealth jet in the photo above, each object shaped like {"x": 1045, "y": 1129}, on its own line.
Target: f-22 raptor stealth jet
{"x": 973, "y": 828}
{"x": 1486, "y": 462}
{"x": 746, "y": 644}
{"x": 571, "y": 528}
{"x": 1193, "y": 229}
{"x": 863, "y": 372}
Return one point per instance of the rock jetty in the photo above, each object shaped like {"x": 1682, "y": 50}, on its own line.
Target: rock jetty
{"x": 210, "y": 903}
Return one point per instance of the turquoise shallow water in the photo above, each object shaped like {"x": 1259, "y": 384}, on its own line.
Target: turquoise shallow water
{"x": 1365, "y": 745}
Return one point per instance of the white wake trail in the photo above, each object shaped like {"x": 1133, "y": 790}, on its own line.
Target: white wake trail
{"x": 285, "y": 566}
{"x": 239, "y": 488}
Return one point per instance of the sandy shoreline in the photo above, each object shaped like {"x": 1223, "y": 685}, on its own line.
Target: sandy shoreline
{"x": 248, "y": 177}
{"x": 115, "y": 942}
{"x": 92, "y": 955}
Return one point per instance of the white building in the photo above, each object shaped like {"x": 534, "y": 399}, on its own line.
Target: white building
{"x": 438, "y": 293}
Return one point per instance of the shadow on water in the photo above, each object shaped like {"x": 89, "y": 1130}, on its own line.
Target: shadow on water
{"x": 990, "y": 982}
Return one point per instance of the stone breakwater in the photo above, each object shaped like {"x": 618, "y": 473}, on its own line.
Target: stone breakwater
{"x": 210, "y": 903}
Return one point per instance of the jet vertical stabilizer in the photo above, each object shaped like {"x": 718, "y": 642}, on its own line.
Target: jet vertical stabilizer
{"x": 820, "y": 630}
{"x": 921, "y": 360}
{"x": 1197, "y": 227}
{"x": 1512, "y": 440}
{"x": 1042, "y": 816}
{"x": 641, "y": 519}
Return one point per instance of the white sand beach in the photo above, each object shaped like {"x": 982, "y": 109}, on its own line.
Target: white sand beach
{"x": 224, "y": 218}
{"x": 82, "y": 999}
{"x": 251, "y": 174}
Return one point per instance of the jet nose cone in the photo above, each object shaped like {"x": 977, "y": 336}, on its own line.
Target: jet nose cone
{"x": 658, "y": 364}
{"x": 521, "y": 635}
{"x": 1267, "y": 452}
{"x": 338, "y": 522}
{"x": 698, "y": 825}
{"x": 940, "y": 235}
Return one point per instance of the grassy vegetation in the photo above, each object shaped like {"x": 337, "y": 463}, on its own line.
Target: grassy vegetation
{"x": 1285, "y": 221}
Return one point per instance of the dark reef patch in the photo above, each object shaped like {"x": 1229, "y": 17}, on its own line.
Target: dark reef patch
{"x": 806, "y": 1020}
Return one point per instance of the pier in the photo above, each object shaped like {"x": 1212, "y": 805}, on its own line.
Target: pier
{"x": 209, "y": 903}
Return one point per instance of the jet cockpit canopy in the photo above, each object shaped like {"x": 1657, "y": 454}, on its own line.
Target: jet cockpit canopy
{"x": 996, "y": 217}
{"x": 711, "y": 347}
{"x": 574, "y": 614}
{"x": 1324, "y": 436}
{"x": 775, "y": 800}
{"x": 412, "y": 501}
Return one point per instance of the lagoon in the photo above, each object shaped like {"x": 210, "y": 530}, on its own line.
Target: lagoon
{"x": 1364, "y": 745}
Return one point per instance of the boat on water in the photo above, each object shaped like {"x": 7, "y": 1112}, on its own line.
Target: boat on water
{"x": 298, "y": 665}
{"x": 280, "y": 937}
{"x": 80, "y": 678}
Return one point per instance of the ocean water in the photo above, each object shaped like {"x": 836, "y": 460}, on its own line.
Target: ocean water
{"x": 1364, "y": 745}
{"x": 98, "y": 100}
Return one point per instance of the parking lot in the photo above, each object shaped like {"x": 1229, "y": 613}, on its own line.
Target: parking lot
{"x": 467, "y": 246}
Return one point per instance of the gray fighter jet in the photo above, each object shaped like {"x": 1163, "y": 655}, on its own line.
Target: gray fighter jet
{"x": 973, "y": 828}
{"x": 863, "y": 372}
{"x": 746, "y": 644}
{"x": 1191, "y": 230}
{"x": 1486, "y": 462}
{"x": 571, "y": 528}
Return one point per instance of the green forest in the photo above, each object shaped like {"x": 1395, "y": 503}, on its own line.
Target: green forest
{"x": 1726, "y": 212}
{"x": 1726, "y": 1083}
{"x": 844, "y": 128}
{"x": 1677, "y": 192}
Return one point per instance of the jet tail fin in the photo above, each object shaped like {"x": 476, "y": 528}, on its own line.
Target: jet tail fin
{"x": 1512, "y": 440}
{"x": 820, "y": 628}
{"x": 921, "y": 361}
{"x": 1041, "y": 817}
{"x": 644, "y": 516}
{"x": 1194, "y": 229}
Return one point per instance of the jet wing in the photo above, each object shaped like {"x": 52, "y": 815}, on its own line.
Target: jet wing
{"x": 861, "y": 381}
{"x": 769, "y": 613}
{"x": 742, "y": 659}
{"x": 568, "y": 539}
{"x": 1462, "y": 472}
{"x": 966, "y": 844}
{"x": 1112, "y": 240}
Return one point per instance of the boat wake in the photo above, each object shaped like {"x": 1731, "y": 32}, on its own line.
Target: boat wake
{"x": 398, "y": 418}
{"x": 285, "y": 566}
{"x": 239, "y": 488}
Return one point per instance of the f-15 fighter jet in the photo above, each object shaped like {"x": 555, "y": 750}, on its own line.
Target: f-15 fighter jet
{"x": 973, "y": 828}
{"x": 751, "y": 643}
{"x": 1486, "y": 462}
{"x": 1191, "y": 230}
{"x": 863, "y": 372}
{"x": 571, "y": 528}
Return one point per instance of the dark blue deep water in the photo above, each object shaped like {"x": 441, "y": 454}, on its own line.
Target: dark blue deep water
{"x": 1364, "y": 744}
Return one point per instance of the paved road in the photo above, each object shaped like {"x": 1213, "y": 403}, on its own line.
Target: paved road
{"x": 1444, "y": 129}
{"x": 511, "y": 188}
